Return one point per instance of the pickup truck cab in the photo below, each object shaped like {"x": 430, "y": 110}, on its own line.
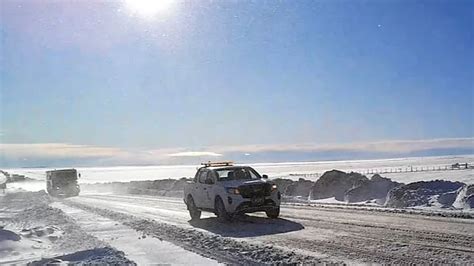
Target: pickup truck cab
{"x": 226, "y": 190}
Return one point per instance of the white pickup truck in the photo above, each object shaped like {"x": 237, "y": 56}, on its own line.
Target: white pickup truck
{"x": 226, "y": 190}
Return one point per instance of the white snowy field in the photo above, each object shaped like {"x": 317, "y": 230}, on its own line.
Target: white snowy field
{"x": 274, "y": 170}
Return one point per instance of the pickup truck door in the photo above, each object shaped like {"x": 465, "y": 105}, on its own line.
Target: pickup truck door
{"x": 200, "y": 195}
{"x": 205, "y": 189}
{"x": 209, "y": 189}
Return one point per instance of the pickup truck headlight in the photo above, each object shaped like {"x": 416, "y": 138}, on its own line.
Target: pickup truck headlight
{"x": 274, "y": 188}
{"x": 234, "y": 191}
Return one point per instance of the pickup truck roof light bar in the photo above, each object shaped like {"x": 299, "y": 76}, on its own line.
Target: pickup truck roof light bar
{"x": 211, "y": 164}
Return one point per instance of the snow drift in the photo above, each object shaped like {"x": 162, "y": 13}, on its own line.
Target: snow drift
{"x": 32, "y": 232}
{"x": 335, "y": 184}
{"x": 465, "y": 197}
{"x": 425, "y": 193}
{"x": 375, "y": 188}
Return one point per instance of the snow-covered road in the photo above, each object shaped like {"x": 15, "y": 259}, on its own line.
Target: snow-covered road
{"x": 137, "y": 247}
{"x": 319, "y": 233}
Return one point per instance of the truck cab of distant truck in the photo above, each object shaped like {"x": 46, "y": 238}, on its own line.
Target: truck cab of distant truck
{"x": 226, "y": 190}
{"x": 62, "y": 183}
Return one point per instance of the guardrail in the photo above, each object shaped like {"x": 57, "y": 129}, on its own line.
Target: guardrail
{"x": 409, "y": 169}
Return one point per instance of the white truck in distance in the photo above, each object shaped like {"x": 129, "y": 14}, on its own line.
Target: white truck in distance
{"x": 227, "y": 190}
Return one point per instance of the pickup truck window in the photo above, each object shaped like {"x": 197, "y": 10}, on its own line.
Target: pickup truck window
{"x": 241, "y": 173}
{"x": 202, "y": 176}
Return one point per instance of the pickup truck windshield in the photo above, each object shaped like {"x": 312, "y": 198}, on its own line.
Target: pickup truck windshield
{"x": 237, "y": 173}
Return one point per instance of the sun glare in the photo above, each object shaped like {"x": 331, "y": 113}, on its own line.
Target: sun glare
{"x": 149, "y": 8}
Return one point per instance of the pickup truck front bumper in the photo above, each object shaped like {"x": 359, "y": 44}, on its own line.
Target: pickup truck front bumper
{"x": 248, "y": 206}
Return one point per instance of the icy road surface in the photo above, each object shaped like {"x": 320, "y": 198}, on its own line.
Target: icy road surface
{"x": 323, "y": 233}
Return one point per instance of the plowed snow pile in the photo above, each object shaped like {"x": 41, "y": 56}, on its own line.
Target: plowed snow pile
{"x": 339, "y": 187}
{"x": 332, "y": 187}
{"x": 33, "y": 232}
{"x": 437, "y": 193}
{"x": 465, "y": 197}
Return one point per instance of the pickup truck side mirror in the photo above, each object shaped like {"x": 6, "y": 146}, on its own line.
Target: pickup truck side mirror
{"x": 264, "y": 176}
{"x": 209, "y": 181}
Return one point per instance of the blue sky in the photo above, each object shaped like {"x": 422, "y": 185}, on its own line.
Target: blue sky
{"x": 204, "y": 75}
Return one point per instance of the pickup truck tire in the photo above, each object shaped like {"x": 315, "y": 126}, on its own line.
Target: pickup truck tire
{"x": 274, "y": 213}
{"x": 221, "y": 212}
{"x": 194, "y": 212}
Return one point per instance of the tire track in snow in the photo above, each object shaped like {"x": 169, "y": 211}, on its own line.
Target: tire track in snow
{"x": 344, "y": 234}
{"x": 223, "y": 249}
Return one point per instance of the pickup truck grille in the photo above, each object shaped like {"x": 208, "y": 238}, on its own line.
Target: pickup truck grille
{"x": 257, "y": 190}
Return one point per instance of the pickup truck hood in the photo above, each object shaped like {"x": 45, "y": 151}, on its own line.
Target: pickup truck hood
{"x": 237, "y": 183}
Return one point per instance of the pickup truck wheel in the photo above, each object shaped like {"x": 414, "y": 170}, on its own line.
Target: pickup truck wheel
{"x": 221, "y": 212}
{"x": 194, "y": 212}
{"x": 273, "y": 213}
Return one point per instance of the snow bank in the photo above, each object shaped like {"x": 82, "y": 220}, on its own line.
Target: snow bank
{"x": 21, "y": 245}
{"x": 3, "y": 178}
{"x": 96, "y": 256}
{"x": 465, "y": 197}
{"x": 22, "y": 200}
{"x": 440, "y": 193}
{"x": 375, "y": 188}
{"x": 335, "y": 184}
{"x": 31, "y": 230}
{"x": 136, "y": 245}
{"x": 164, "y": 187}
{"x": 343, "y": 187}
{"x": 27, "y": 185}
{"x": 338, "y": 186}
{"x": 300, "y": 188}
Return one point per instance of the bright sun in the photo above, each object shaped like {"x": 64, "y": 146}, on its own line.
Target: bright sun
{"x": 149, "y": 8}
